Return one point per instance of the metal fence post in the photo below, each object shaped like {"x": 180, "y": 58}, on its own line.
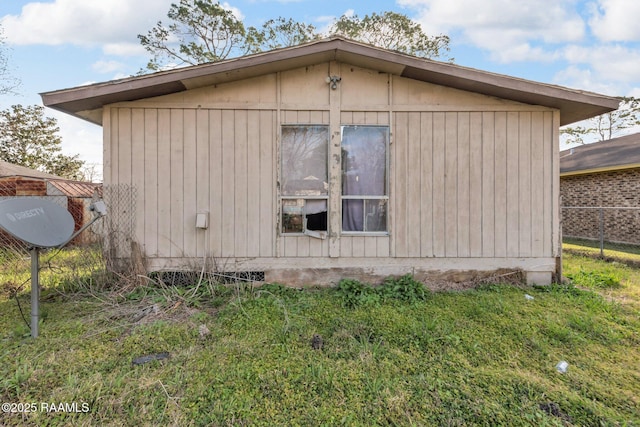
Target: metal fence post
{"x": 35, "y": 291}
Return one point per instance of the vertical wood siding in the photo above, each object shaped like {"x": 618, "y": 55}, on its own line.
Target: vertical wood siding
{"x": 162, "y": 174}
{"x": 202, "y": 174}
{"x": 469, "y": 176}
{"x": 151, "y": 184}
{"x": 185, "y": 161}
{"x": 471, "y": 184}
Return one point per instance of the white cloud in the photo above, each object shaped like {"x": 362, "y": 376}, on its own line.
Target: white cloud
{"x": 616, "y": 20}
{"x": 119, "y": 76}
{"x": 635, "y": 92}
{"x": 236, "y": 12}
{"x": 522, "y": 52}
{"x": 79, "y": 137}
{"x": 578, "y": 77}
{"x": 506, "y": 28}
{"x": 327, "y": 21}
{"x": 124, "y": 49}
{"x": 546, "y": 31}
{"x": 613, "y": 63}
{"x": 108, "y": 66}
{"x": 112, "y": 25}
{"x": 82, "y": 22}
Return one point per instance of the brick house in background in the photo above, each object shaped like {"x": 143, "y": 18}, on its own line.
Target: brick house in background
{"x": 603, "y": 174}
{"x": 75, "y": 196}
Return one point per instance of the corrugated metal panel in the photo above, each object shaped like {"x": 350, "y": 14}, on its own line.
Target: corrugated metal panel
{"x": 75, "y": 188}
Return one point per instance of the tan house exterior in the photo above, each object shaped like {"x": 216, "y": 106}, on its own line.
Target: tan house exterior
{"x": 603, "y": 174}
{"x": 337, "y": 159}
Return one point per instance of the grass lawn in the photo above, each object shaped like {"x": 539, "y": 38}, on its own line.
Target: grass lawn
{"x": 243, "y": 356}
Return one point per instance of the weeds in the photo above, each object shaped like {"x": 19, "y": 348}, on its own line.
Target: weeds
{"x": 354, "y": 293}
{"x": 398, "y": 356}
{"x": 595, "y": 279}
{"x": 405, "y": 288}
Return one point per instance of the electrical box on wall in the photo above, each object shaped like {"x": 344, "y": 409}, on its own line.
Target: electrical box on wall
{"x": 202, "y": 220}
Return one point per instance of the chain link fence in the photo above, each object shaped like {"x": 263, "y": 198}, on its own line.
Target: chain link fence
{"x": 105, "y": 251}
{"x": 83, "y": 262}
{"x": 603, "y": 224}
{"x": 119, "y": 227}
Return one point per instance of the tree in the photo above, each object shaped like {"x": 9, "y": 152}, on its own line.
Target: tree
{"x": 393, "y": 31}
{"x": 7, "y": 83}
{"x": 30, "y": 139}
{"x": 281, "y": 32}
{"x": 608, "y": 125}
{"x": 205, "y": 31}
{"x": 90, "y": 172}
{"x": 201, "y": 31}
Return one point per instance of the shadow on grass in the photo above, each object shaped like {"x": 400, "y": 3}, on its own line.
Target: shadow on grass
{"x": 618, "y": 252}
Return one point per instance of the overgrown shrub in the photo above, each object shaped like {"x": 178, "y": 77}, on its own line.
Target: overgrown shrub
{"x": 405, "y": 288}
{"x": 355, "y": 293}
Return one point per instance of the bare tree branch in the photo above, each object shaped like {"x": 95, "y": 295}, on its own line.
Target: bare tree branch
{"x": 606, "y": 126}
{"x": 205, "y": 31}
{"x": 8, "y": 83}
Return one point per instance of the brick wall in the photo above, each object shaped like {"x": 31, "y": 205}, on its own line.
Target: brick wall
{"x": 18, "y": 186}
{"x": 8, "y": 187}
{"x": 28, "y": 187}
{"x": 612, "y": 189}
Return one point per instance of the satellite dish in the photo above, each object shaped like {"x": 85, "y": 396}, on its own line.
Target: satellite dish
{"x": 37, "y": 222}
{"x": 41, "y": 224}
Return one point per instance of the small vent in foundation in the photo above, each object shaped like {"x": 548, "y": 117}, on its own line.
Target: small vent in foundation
{"x": 186, "y": 279}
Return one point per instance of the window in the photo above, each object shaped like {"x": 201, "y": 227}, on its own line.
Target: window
{"x": 364, "y": 178}
{"x": 304, "y": 179}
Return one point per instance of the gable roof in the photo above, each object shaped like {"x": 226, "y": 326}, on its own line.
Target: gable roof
{"x": 9, "y": 169}
{"x": 86, "y": 102}
{"x": 613, "y": 154}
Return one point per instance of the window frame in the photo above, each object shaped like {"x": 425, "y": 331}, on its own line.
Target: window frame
{"x": 305, "y": 232}
{"x": 367, "y": 197}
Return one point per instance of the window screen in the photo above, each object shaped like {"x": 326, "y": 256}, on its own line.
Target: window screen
{"x": 364, "y": 178}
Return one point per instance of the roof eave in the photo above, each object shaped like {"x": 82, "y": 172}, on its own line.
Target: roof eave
{"x": 87, "y": 101}
{"x": 613, "y": 168}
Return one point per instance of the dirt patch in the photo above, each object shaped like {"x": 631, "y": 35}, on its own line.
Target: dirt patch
{"x": 127, "y": 316}
{"x": 434, "y": 280}
{"x": 553, "y": 409}
{"x": 464, "y": 280}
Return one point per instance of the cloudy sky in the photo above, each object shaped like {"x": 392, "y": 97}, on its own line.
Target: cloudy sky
{"x": 592, "y": 45}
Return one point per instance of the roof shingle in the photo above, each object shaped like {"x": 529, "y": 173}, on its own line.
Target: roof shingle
{"x": 616, "y": 153}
